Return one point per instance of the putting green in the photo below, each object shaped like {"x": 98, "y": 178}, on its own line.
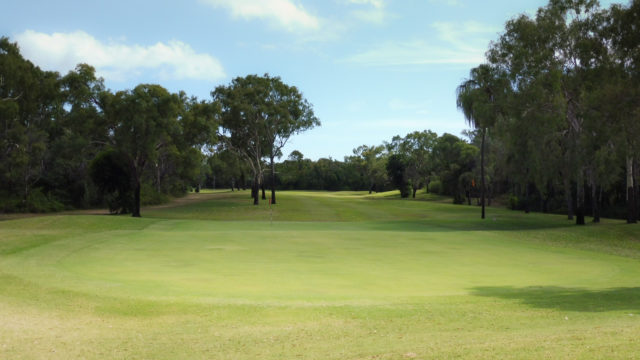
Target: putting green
{"x": 422, "y": 272}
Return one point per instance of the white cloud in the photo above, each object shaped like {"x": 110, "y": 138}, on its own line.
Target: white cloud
{"x": 374, "y": 13}
{"x": 416, "y": 52}
{"x": 285, "y": 13}
{"x": 117, "y": 61}
{"x": 375, "y": 3}
{"x": 452, "y": 44}
{"x": 446, "y": 2}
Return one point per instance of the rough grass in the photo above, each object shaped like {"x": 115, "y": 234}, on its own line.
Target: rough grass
{"x": 333, "y": 276}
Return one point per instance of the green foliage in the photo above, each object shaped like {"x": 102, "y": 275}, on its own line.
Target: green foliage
{"x": 151, "y": 196}
{"x": 111, "y": 173}
{"x": 36, "y": 202}
{"x": 435, "y": 187}
{"x": 259, "y": 115}
{"x": 396, "y": 170}
{"x": 514, "y": 202}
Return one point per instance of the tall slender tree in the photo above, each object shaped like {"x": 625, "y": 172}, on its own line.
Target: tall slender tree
{"x": 478, "y": 98}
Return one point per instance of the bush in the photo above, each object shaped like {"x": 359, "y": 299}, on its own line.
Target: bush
{"x": 435, "y": 187}
{"x": 150, "y": 196}
{"x": 36, "y": 202}
{"x": 514, "y": 202}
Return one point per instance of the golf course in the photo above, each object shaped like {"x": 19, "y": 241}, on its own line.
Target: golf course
{"x": 321, "y": 275}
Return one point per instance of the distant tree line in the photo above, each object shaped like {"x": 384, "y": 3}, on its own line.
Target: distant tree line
{"x": 420, "y": 160}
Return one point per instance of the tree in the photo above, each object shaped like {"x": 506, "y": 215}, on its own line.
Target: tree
{"x": 29, "y": 102}
{"x": 477, "y": 97}
{"x": 77, "y": 136}
{"x": 396, "y": 170}
{"x": 418, "y": 145}
{"x": 143, "y": 122}
{"x": 552, "y": 46}
{"x": 289, "y": 114}
{"x": 259, "y": 115}
{"x": 370, "y": 162}
{"x": 453, "y": 157}
{"x": 111, "y": 172}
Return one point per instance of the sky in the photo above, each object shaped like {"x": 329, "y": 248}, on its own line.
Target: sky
{"x": 371, "y": 68}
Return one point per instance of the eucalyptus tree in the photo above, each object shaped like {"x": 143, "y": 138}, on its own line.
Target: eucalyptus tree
{"x": 417, "y": 147}
{"x": 243, "y": 109}
{"x": 551, "y": 46}
{"x": 478, "y": 97}
{"x": 78, "y": 135}
{"x": 622, "y": 27}
{"x": 259, "y": 115}
{"x": 452, "y": 158}
{"x": 30, "y": 101}
{"x": 289, "y": 113}
{"x": 371, "y": 163}
{"x": 144, "y": 121}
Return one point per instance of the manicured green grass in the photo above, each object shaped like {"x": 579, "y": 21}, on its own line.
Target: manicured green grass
{"x": 318, "y": 276}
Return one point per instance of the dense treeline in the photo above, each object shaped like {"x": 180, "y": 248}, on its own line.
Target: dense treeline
{"x": 68, "y": 142}
{"x": 557, "y": 103}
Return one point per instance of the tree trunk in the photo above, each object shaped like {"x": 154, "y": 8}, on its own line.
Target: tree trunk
{"x": 136, "y": 200}
{"x": 636, "y": 185}
{"x": 255, "y": 190}
{"x": 264, "y": 196}
{"x": 594, "y": 203}
{"x": 527, "y": 209}
{"x": 631, "y": 196}
{"x": 580, "y": 198}
{"x": 415, "y": 189}
{"x": 482, "y": 195}
{"x": 273, "y": 182}
{"x": 567, "y": 194}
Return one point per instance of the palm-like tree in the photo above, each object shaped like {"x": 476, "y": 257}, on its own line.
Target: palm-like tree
{"x": 477, "y": 97}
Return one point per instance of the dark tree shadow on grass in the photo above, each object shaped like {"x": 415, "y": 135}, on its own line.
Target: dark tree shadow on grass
{"x": 567, "y": 298}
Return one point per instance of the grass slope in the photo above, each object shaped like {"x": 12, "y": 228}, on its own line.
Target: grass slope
{"x": 335, "y": 276}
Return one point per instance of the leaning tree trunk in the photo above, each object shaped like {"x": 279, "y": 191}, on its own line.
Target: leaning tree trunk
{"x": 631, "y": 196}
{"x": 482, "y": 187}
{"x": 273, "y": 181}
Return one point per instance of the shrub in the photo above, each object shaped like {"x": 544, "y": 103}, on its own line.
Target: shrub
{"x": 435, "y": 187}
{"x": 514, "y": 202}
{"x": 150, "y": 196}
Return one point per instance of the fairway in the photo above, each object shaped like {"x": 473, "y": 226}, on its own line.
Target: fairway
{"x": 319, "y": 276}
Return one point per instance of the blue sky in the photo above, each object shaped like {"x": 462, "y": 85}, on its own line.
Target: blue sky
{"x": 371, "y": 68}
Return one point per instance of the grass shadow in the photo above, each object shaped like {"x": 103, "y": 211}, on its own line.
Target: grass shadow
{"x": 567, "y": 298}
